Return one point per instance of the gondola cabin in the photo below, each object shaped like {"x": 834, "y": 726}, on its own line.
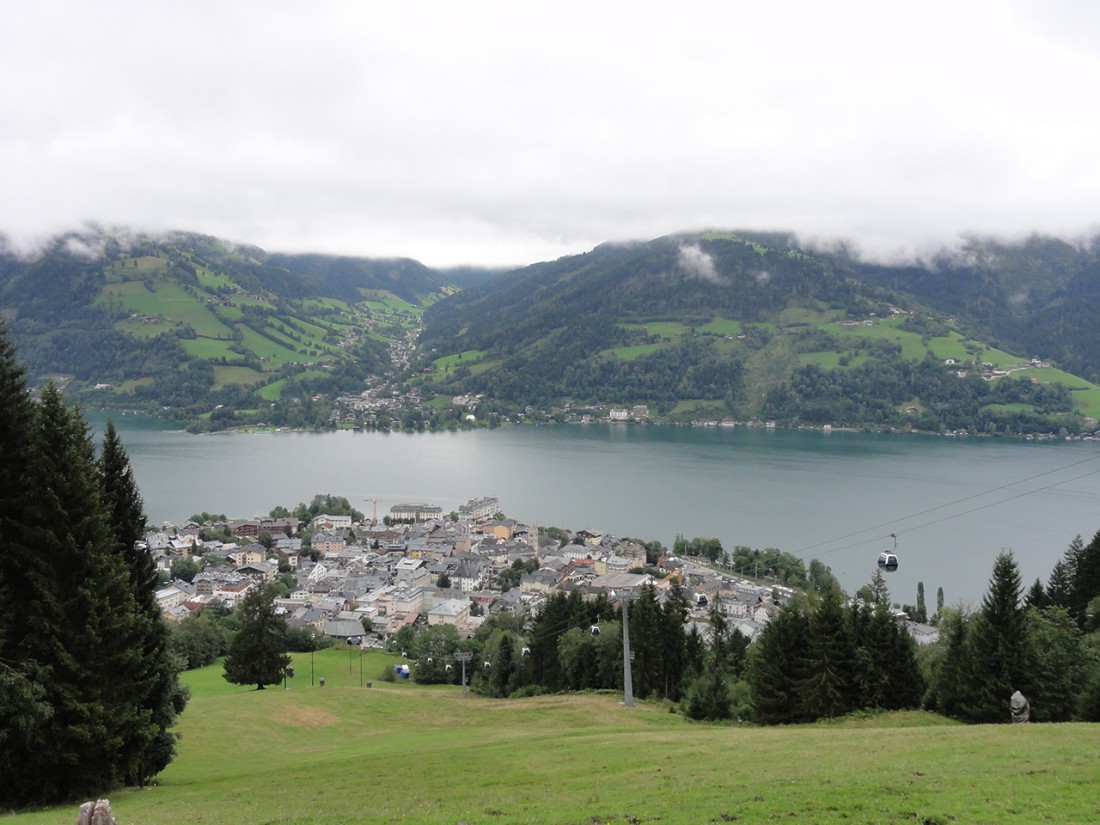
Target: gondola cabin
{"x": 887, "y": 561}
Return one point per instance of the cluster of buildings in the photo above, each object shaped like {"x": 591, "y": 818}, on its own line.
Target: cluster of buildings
{"x": 367, "y": 580}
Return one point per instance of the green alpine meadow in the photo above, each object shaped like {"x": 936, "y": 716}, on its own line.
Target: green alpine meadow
{"x": 406, "y": 753}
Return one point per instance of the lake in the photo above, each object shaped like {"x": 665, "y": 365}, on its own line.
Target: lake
{"x": 954, "y": 503}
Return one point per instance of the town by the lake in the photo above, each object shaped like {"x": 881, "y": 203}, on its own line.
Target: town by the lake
{"x": 361, "y": 581}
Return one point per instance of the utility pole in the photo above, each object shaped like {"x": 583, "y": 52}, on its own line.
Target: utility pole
{"x": 626, "y": 597}
{"x": 464, "y": 657}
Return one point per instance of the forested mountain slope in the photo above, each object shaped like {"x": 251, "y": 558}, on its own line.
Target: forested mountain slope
{"x": 742, "y": 325}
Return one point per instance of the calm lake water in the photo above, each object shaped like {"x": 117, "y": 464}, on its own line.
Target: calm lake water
{"x": 953, "y": 503}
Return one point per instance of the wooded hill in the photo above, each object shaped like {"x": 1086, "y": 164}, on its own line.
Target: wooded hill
{"x": 995, "y": 337}
{"x": 751, "y": 326}
{"x": 183, "y": 323}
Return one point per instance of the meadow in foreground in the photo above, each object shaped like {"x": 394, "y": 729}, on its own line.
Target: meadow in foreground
{"x": 402, "y": 753}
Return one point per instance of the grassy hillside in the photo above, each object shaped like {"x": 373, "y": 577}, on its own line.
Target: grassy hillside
{"x": 187, "y": 325}
{"x": 397, "y": 752}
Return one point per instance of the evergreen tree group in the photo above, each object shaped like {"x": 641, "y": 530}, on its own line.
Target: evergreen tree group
{"x": 824, "y": 659}
{"x": 88, "y": 688}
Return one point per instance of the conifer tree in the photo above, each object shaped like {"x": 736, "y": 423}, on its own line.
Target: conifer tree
{"x": 24, "y": 707}
{"x": 674, "y": 643}
{"x": 826, "y": 687}
{"x": 997, "y": 663}
{"x": 949, "y": 686}
{"x": 776, "y": 667}
{"x": 153, "y": 685}
{"x": 646, "y": 643}
{"x": 257, "y": 654}
{"x": 78, "y": 615}
{"x": 77, "y": 713}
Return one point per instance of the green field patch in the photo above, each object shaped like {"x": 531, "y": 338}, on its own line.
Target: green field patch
{"x": 167, "y": 300}
{"x": 698, "y": 408}
{"x": 212, "y": 280}
{"x": 457, "y": 359}
{"x": 825, "y": 360}
{"x": 439, "y": 402}
{"x": 128, "y": 387}
{"x": 231, "y": 313}
{"x": 884, "y": 329}
{"x": 1000, "y": 358}
{"x": 721, "y": 326}
{"x": 272, "y": 391}
{"x": 145, "y": 265}
{"x": 267, "y": 350}
{"x": 387, "y": 302}
{"x": 1085, "y": 394}
{"x": 224, "y": 376}
{"x": 209, "y": 349}
{"x": 950, "y": 346}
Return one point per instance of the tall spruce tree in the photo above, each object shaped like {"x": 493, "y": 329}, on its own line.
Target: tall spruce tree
{"x": 80, "y": 710}
{"x": 674, "y": 641}
{"x": 153, "y": 684}
{"x": 825, "y": 689}
{"x": 776, "y": 667}
{"x": 24, "y": 707}
{"x": 76, "y": 616}
{"x": 997, "y": 663}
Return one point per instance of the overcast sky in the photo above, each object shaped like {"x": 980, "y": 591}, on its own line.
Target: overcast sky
{"x": 513, "y": 132}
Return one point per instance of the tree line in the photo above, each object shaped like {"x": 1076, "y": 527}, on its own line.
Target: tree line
{"x": 88, "y": 687}
{"x": 822, "y": 655}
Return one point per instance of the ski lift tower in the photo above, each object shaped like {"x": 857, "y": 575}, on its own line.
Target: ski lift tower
{"x": 463, "y": 656}
{"x": 626, "y": 597}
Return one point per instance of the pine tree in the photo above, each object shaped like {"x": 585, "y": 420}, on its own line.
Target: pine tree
{"x": 257, "y": 654}
{"x": 674, "y": 613}
{"x": 1086, "y": 582}
{"x": 997, "y": 664}
{"x": 153, "y": 686}
{"x": 24, "y": 705}
{"x": 78, "y": 620}
{"x": 1056, "y": 651}
{"x": 776, "y": 667}
{"x": 949, "y": 689}
{"x": 826, "y": 686}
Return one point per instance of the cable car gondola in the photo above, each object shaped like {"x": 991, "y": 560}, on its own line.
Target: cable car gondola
{"x": 888, "y": 559}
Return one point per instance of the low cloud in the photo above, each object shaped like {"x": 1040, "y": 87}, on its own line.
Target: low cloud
{"x": 87, "y": 250}
{"x": 762, "y": 276}
{"x": 698, "y": 264}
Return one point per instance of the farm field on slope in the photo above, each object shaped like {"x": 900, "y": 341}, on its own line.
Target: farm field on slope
{"x": 398, "y": 752}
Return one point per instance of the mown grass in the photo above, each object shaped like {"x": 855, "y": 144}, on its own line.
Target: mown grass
{"x": 722, "y": 326}
{"x": 209, "y": 348}
{"x": 224, "y": 376}
{"x": 400, "y": 753}
{"x": 169, "y": 300}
